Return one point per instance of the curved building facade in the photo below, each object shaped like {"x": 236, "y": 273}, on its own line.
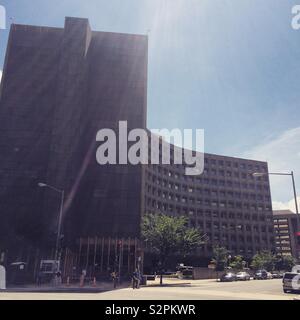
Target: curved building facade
{"x": 227, "y": 203}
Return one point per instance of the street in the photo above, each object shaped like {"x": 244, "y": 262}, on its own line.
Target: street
{"x": 174, "y": 290}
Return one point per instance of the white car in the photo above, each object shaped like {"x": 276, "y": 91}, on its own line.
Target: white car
{"x": 243, "y": 276}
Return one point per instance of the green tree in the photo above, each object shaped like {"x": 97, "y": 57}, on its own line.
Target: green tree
{"x": 264, "y": 260}
{"x": 285, "y": 263}
{"x": 237, "y": 263}
{"x": 220, "y": 258}
{"x": 168, "y": 235}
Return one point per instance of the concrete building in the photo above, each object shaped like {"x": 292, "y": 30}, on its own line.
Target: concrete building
{"x": 226, "y": 202}
{"x": 285, "y": 227}
{"x": 59, "y": 87}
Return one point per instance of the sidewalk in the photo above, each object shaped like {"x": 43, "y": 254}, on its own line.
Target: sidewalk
{"x": 173, "y": 282}
{"x": 72, "y": 288}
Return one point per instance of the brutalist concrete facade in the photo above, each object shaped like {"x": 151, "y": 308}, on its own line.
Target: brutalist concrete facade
{"x": 227, "y": 203}
{"x": 59, "y": 87}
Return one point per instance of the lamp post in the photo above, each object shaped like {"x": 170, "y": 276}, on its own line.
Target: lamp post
{"x": 62, "y": 193}
{"x": 260, "y": 174}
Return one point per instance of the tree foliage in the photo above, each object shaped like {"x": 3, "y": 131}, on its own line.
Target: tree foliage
{"x": 220, "y": 257}
{"x": 285, "y": 263}
{"x": 168, "y": 235}
{"x": 237, "y": 263}
{"x": 264, "y": 260}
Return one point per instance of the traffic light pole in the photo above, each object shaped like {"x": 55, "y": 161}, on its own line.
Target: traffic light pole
{"x": 58, "y": 238}
{"x": 296, "y": 202}
{"x": 298, "y": 217}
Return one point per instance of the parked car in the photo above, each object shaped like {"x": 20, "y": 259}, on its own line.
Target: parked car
{"x": 277, "y": 275}
{"x": 261, "y": 275}
{"x": 243, "y": 276}
{"x": 17, "y": 273}
{"x": 269, "y": 275}
{"x": 228, "y": 277}
{"x": 185, "y": 272}
{"x": 150, "y": 277}
{"x": 296, "y": 269}
{"x": 291, "y": 282}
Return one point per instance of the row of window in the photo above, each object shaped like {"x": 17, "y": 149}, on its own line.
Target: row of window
{"x": 211, "y": 162}
{"x": 288, "y": 249}
{"x": 278, "y": 221}
{"x": 210, "y": 192}
{"x": 231, "y": 164}
{"x": 211, "y": 182}
{"x": 239, "y": 238}
{"x": 282, "y": 232}
{"x": 210, "y": 172}
{"x": 205, "y": 203}
{"x": 242, "y": 251}
{"x": 216, "y": 215}
{"x": 283, "y": 242}
{"x": 225, "y": 227}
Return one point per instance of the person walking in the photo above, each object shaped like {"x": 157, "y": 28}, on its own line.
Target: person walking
{"x": 58, "y": 278}
{"x": 136, "y": 279}
{"x": 114, "y": 276}
{"x": 39, "y": 278}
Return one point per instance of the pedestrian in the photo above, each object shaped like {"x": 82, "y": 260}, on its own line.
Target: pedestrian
{"x": 82, "y": 278}
{"x": 114, "y": 277}
{"x": 136, "y": 279}
{"x": 39, "y": 278}
{"x": 139, "y": 279}
{"x": 58, "y": 278}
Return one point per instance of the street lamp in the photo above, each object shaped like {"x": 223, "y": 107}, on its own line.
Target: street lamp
{"x": 62, "y": 193}
{"x": 261, "y": 174}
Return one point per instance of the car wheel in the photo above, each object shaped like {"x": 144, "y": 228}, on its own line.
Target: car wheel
{"x": 285, "y": 291}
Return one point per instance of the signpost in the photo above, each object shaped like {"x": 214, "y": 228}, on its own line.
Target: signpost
{"x": 2, "y": 278}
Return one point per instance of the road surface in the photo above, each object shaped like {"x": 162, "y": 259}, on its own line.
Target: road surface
{"x": 174, "y": 290}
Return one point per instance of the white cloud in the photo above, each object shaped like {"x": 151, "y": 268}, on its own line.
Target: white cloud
{"x": 288, "y": 205}
{"x": 283, "y": 155}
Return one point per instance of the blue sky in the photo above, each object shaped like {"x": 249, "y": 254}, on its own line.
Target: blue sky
{"x": 230, "y": 67}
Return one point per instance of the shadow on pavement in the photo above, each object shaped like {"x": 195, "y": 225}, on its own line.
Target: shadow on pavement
{"x": 185, "y": 284}
{"x": 98, "y": 288}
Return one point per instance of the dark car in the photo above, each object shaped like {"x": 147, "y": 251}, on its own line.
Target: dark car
{"x": 228, "y": 277}
{"x": 185, "y": 272}
{"x": 17, "y": 273}
{"x": 261, "y": 275}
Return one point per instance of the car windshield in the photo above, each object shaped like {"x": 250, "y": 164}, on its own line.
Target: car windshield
{"x": 290, "y": 275}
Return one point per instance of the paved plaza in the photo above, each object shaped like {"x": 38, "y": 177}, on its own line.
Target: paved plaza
{"x": 173, "y": 290}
